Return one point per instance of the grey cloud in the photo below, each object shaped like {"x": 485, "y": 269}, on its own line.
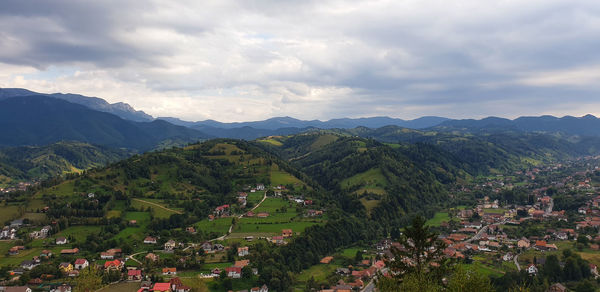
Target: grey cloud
{"x": 437, "y": 57}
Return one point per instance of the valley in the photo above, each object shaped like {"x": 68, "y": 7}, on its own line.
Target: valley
{"x": 313, "y": 209}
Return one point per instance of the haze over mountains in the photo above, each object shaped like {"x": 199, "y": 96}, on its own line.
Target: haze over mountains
{"x": 30, "y": 118}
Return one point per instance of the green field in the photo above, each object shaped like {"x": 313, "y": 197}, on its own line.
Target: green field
{"x": 483, "y": 269}
{"x": 121, "y": 287}
{"x": 62, "y": 190}
{"x": 494, "y": 211}
{"x": 319, "y": 272}
{"x": 280, "y": 177}
{"x": 350, "y": 252}
{"x": 273, "y": 228}
{"x": 371, "y": 181}
{"x": 219, "y": 225}
{"x": 323, "y": 140}
{"x": 271, "y": 141}
{"x": 79, "y": 233}
{"x": 9, "y": 212}
{"x": 438, "y": 218}
{"x": 158, "y": 211}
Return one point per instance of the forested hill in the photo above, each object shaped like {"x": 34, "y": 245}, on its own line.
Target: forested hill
{"x": 42, "y": 120}
{"x": 198, "y": 177}
{"x": 42, "y": 162}
{"x": 388, "y": 181}
{"x": 486, "y": 153}
{"x": 587, "y": 125}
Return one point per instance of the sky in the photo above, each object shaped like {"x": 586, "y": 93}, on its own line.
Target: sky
{"x": 251, "y": 60}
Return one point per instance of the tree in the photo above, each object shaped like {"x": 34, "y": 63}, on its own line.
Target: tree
{"x": 359, "y": 256}
{"x": 552, "y": 268}
{"x": 89, "y": 280}
{"x": 421, "y": 254}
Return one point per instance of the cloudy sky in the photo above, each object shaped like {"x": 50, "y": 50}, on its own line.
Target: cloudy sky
{"x": 251, "y": 60}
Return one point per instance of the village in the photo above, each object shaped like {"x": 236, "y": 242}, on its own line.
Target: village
{"x": 160, "y": 264}
{"x": 495, "y": 224}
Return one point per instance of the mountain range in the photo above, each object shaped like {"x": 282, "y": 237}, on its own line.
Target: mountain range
{"x": 30, "y": 118}
{"x": 42, "y": 120}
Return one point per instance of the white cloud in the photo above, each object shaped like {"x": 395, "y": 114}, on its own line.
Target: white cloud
{"x": 250, "y": 60}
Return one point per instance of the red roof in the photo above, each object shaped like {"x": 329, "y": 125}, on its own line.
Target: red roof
{"x": 80, "y": 261}
{"x": 161, "y": 287}
{"x": 233, "y": 269}
{"x": 114, "y": 263}
{"x": 134, "y": 273}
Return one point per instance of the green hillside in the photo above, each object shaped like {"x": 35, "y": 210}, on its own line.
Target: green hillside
{"x": 42, "y": 162}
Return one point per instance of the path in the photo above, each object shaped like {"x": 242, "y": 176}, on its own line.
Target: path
{"x": 516, "y": 259}
{"x": 478, "y": 234}
{"x": 134, "y": 259}
{"x": 239, "y": 217}
{"x": 160, "y": 206}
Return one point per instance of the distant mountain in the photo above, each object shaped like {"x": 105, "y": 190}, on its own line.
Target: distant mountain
{"x": 485, "y": 152}
{"x": 40, "y": 162}
{"x": 41, "y": 120}
{"x": 288, "y": 125}
{"x": 288, "y": 122}
{"x": 120, "y": 109}
{"x": 587, "y": 125}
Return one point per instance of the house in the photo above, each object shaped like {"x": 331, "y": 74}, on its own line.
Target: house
{"x": 177, "y": 285}
{"x": 540, "y": 245}
{"x": 61, "y": 240}
{"x": 169, "y": 271}
{"x": 262, "y": 215}
{"x": 15, "y": 249}
{"x": 46, "y": 253}
{"x": 62, "y": 288}
{"x": 65, "y": 267}
{"x": 523, "y": 243}
{"x": 507, "y": 257}
{"x": 73, "y": 273}
{"x": 18, "y": 223}
{"x": 234, "y": 272}
{"x": 28, "y": 265}
{"x": 531, "y": 269}
{"x": 149, "y": 240}
{"x": 17, "y": 289}
{"x": 277, "y": 240}
{"x": 242, "y": 251}
{"x": 241, "y": 263}
{"x": 110, "y": 254}
{"x": 264, "y": 288}
{"x": 191, "y": 230}
{"x": 113, "y": 265}
{"x": 133, "y": 222}
{"x": 161, "y": 287}
{"x": 152, "y": 257}
{"x": 260, "y": 187}
{"x": 216, "y": 272}
{"x": 207, "y": 247}
{"x": 81, "y": 264}
{"x": 222, "y": 211}
{"x": 326, "y": 260}
{"x": 170, "y": 245}
{"x": 134, "y": 275}
{"x": 45, "y": 231}
{"x": 286, "y": 233}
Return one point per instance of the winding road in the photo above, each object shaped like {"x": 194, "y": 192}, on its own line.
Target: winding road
{"x": 159, "y": 206}
{"x": 223, "y": 237}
